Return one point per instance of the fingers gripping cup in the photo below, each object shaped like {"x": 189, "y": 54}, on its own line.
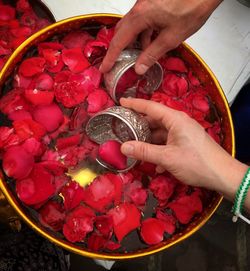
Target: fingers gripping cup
{"x": 122, "y": 81}
{"x": 118, "y": 124}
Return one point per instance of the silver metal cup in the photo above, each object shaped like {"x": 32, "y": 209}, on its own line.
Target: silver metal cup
{"x": 121, "y": 124}
{"x": 125, "y": 61}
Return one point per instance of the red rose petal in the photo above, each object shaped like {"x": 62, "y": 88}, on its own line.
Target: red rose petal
{"x": 152, "y": 231}
{"x": 76, "y": 39}
{"x": 128, "y": 80}
{"x": 169, "y": 221}
{"x": 104, "y": 225}
{"x": 52, "y": 216}
{"x": 17, "y": 162}
{"x": 22, "y": 5}
{"x": 70, "y": 93}
{"x": 75, "y": 59}
{"x": 32, "y": 66}
{"x": 28, "y": 128}
{"x": 50, "y": 116}
{"x": 201, "y": 103}
{"x": 8, "y": 137}
{"x": 175, "y": 64}
{"x": 78, "y": 223}
{"x": 73, "y": 194}
{"x": 19, "y": 115}
{"x": 126, "y": 217}
{"x": 39, "y": 97}
{"x": 37, "y": 188}
{"x": 106, "y": 34}
{"x": 215, "y": 132}
{"x": 95, "y": 48}
{"x": 96, "y": 242}
{"x": 103, "y": 191}
{"x": 90, "y": 78}
{"x": 7, "y": 12}
{"x": 43, "y": 82}
{"x": 162, "y": 187}
{"x": 174, "y": 85}
{"x": 136, "y": 194}
{"x": 78, "y": 118}
{"x": 21, "y": 32}
{"x": 186, "y": 207}
{"x": 21, "y": 81}
{"x": 65, "y": 142}
{"x": 97, "y": 101}
{"x": 193, "y": 79}
{"x": 56, "y": 168}
{"x": 110, "y": 153}
{"x": 13, "y": 101}
{"x": 33, "y": 146}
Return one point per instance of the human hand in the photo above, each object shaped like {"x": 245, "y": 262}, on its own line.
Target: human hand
{"x": 182, "y": 147}
{"x": 174, "y": 20}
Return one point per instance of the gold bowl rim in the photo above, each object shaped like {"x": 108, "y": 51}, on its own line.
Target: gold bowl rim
{"x": 74, "y": 248}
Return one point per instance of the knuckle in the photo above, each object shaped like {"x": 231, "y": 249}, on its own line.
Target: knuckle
{"x": 143, "y": 152}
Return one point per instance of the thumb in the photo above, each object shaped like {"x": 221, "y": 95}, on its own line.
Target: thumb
{"x": 144, "y": 151}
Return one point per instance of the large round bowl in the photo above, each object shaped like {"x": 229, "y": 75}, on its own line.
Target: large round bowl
{"x": 204, "y": 74}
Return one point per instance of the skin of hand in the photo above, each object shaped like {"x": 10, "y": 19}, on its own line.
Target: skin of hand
{"x": 182, "y": 147}
{"x": 174, "y": 21}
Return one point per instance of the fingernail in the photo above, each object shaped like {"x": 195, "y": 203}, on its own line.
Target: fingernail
{"x": 100, "y": 68}
{"x": 128, "y": 149}
{"x": 141, "y": 69}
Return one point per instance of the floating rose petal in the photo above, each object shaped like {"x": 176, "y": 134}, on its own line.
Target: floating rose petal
{"x": 162, "y": 187}
{"x": 39, "y": 97}
{"x": 95, "y": 48}
{"x": 43, "y": 82}
{"x": 78, "y": 224}
{"x": 73, "y": 195}
{"x": 37, "y": 187}
{"x": 17, "y": 162}
{"x": 33, "y": 146}
{"x": 19, "y": 115}
{"x": 52, "y": 215}
{"x": 21, "y": 81}
{"x": 13, "y": 101}
{"x": 96, "y": 242}
{"x": 50, "y": 116}
{"x": 169, "y": 221}
{"x": 32, "y": 66}
{"x": 152, "y": 231}
{"x": 8, "y": 137}
{"x": 76, "y": 39}
{"x": 75, "y": 60}
{"x": 22, "y": 6}
{"x": 136, "y": 194}
{"x": 56, "y": 168}
{"x": 97, "y": 101}
{"x": 28, "y": 128}
{"x": 110, "y": 153}
{"x": 186, "y": 207}
{"x": 215, "y": 132}
{"x": 7, "y": 12}
{"x": 78, "y": 118}
{"x": 104, "y": 225}
{"x": 70, "y": 93}
{"x": 175, "y": 64}
{"x": 103, "y": 191}
{"x": 106, "y": 34}
{"x": 193, "y": 79}
{"x": 126, "y": 217}
{"x": 20, "y": 32}
{"x": 65, "y": 142}
{"x": 174, "y": 85}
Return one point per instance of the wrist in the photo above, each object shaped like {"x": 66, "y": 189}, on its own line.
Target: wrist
{"x": 230, "y": 176}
